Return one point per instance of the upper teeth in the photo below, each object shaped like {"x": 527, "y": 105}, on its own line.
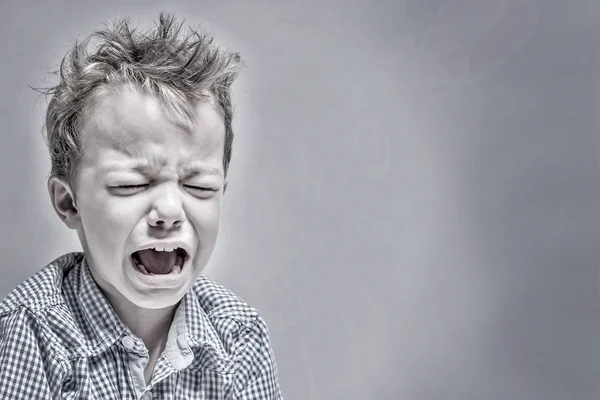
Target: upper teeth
{"x": 164, "y": 248}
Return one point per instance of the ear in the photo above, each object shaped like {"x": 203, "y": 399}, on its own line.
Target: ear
{"x": 64, "y": 202}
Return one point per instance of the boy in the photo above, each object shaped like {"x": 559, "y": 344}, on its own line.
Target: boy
{"x": 139, "y": 132}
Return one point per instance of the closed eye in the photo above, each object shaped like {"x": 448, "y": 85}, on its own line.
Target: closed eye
{"x": 200, "y": 188}
{"x": 132, "y": 186}
{"x": 128, "y": 189}
{"x": 133, "y": 189}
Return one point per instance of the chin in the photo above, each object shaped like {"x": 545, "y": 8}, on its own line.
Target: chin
{"x": 156, "y": 303}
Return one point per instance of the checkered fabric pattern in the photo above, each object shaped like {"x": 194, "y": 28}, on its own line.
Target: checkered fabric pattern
{"x": 60, "y": 339}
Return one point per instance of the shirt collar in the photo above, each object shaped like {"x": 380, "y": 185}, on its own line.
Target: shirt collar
{"x": 192, "y": 328}
{"x": 95, "y": 316}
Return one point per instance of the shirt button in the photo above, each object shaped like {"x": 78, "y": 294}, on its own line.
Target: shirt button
{"x": 147, "y": 396}
{"x": 128, "y": 343}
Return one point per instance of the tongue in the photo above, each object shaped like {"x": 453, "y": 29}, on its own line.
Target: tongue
{"x": 157, "y": 262}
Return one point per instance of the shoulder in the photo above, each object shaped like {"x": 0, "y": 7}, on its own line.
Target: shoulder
{"x": 37, "y": 310}
{"x": 43, "y": 289}
{"x": 243, "y": 333}
{"x": 17, "y": 324}
{"x": 25, "y": 351}
{"x": 219, "y": 302}
{"x": 235, "y": 321}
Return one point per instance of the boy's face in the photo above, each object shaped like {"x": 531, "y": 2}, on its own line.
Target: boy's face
{"x": 144, "y": 180}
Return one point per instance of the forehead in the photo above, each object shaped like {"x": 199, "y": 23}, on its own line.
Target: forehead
{"x": 129, "y": 124}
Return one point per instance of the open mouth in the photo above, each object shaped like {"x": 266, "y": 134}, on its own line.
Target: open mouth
{"x": 159, "y": 261}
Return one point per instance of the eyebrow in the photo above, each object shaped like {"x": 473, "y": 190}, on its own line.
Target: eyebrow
{"x": 144, "y": 169}
{"x": 201, "y": 170}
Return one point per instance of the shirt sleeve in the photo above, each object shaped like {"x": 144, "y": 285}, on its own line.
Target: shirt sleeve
{"x": 27, "y": 369}
{"x": 264, "y": 381}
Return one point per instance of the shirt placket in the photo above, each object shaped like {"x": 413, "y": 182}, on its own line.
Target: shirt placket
{"x": 176, "y": 356}
{"x": 137, "y": 360}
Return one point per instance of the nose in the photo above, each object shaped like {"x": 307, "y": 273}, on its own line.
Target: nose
{"x": 167, "y": 209}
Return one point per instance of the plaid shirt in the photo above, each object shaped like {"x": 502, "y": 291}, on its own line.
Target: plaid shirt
{"x": 60, "y": 339}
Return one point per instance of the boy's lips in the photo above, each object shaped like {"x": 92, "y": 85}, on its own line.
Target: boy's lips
{"x": 161, "y": 257}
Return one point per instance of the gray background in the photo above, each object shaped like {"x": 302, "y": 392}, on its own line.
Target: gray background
{"x": 414, "y": 200}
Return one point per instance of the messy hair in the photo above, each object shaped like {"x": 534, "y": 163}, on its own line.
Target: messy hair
{"x": 179, "y": 68}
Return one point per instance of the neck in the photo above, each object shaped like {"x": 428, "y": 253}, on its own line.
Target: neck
{"x": 150, "y": 325}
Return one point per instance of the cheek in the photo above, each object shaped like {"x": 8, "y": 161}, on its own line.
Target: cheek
{"x": 205, "y": 216}
{"x": 114, "y": 209}
{"x": 108, "y": 222}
